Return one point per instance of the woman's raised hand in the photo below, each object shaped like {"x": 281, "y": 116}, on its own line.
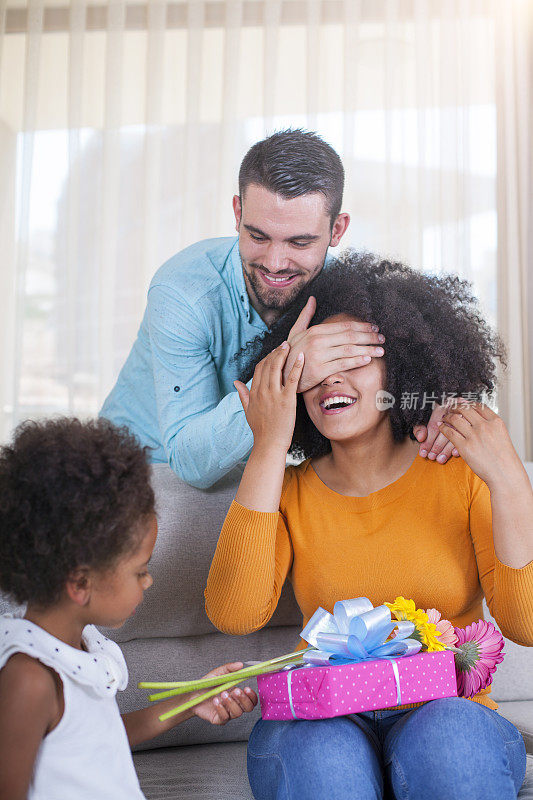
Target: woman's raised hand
{"x": 270, "y": 405}
{"x": 482, "y": 439}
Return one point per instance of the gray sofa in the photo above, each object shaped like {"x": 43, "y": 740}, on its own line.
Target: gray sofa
{"x": 171, "y": 638}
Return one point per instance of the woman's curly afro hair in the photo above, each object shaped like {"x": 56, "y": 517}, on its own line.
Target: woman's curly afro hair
{"x": 72, "y": 494}
{"x": 436, "y": 341}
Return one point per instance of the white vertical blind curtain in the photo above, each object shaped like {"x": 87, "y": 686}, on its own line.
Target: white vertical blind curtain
{"x": 123, "y": 125}
{"x": 515, "y": 216}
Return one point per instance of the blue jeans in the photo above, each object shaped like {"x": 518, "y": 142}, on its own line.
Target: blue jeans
{"x": 446, "y": 749}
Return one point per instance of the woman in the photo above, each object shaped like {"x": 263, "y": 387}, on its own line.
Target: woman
{"x": 364, "y": 515}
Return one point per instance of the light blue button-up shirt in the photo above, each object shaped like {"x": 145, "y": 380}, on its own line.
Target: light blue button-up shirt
{"x": 175, "y": 391}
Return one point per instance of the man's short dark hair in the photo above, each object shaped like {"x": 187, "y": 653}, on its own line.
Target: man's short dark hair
{"x": 292, "y": 163}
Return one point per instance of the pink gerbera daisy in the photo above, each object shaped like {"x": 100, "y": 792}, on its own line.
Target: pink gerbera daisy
{"x": 447, "y": 633}
{"x": 479, "y": 650}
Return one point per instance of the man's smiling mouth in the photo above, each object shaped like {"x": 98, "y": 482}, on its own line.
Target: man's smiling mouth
{"x": 277, "y": 281}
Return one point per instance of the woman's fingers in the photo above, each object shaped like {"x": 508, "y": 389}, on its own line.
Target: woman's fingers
{"x": 485, "y": 411}
{"x": 294, "y": 375}
{"x": 472, "y": 412}
{"x": 276, "y": 360}
{"x": 451, "y": 434}
{"x": 244, "y": 394}
{"x": 257, "y": 377}
{"x": 459, "y": 421}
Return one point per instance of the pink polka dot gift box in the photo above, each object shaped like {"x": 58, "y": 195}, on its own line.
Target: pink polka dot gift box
{"x": 332, "y": 691}
{"x": 360, "y": 658}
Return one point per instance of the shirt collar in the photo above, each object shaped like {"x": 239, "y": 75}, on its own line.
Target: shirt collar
{"x": 101, "y": 665}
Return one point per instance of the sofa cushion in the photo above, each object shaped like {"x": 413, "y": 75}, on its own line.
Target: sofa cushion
{"x": 513, "y": 679}
{"x": 190, "y": 521}
{"x": 526, "y": 792}
{"x": 209, "y": 772}
{"x": 520, "y": 713}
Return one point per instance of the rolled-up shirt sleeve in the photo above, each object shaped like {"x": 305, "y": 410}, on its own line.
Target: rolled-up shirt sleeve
{"x": 204, "y": 434}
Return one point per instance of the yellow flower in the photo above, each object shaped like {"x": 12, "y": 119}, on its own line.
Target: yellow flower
{"x": 425, "y": 632}
{"x": 428, "y": 636}
{"x": 406, "y": 609}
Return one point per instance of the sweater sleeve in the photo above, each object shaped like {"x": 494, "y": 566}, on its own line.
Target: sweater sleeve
{"x": 508, "y": 590}
{"x": 252, "y": 559}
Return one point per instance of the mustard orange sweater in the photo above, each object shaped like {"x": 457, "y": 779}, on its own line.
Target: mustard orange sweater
{"x": 427, "y": 536}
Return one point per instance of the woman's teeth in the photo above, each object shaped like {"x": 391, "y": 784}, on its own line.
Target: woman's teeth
{"x": 337, "y": 402}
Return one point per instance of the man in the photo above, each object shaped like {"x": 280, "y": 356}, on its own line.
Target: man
{"x": 175, "y": 391}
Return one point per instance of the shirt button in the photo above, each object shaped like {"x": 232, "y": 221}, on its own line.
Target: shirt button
{"x": 176, "y": 388}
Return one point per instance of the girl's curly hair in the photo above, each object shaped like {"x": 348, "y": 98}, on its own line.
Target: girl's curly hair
{"x": 72, "y": 494}
{"x": 436, "y": 342}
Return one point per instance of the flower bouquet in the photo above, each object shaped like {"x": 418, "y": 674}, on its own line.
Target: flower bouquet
{"x": 478, "y": 648}
{"x": 381, "y": 657}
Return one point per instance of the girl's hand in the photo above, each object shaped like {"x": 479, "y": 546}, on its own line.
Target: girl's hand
{"x": 270, "y": 406}
{"x": 228, "y": 705}
{"x": 483, "y": 441}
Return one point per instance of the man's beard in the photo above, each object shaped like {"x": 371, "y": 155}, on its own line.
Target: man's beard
{"x": 275, "y": 299}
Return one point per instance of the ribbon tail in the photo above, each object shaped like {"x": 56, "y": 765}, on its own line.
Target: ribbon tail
{"x": 317, "y": 657}
{"x": 397, "y": 680}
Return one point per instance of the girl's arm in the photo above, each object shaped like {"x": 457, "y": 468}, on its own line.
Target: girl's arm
{"x": 29, "y": 709}
{"x": 145, "y": 724}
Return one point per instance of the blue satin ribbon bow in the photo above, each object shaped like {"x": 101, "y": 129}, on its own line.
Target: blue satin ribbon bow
{"x": 356, "y": 631}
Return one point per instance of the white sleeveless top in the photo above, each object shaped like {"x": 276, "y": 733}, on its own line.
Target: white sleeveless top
{"x": 87, "y": 756}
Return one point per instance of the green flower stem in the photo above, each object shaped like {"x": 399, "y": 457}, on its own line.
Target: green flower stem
{"x": 174, "y": 692}
{"x": 246, "y": 672}
{"x": 196, "y": 700}
{"x": 221, "y": 686}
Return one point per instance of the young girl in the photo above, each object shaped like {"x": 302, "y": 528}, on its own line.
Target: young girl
{"x": 77, "y": 531}
{"x": 364, "y": 515}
